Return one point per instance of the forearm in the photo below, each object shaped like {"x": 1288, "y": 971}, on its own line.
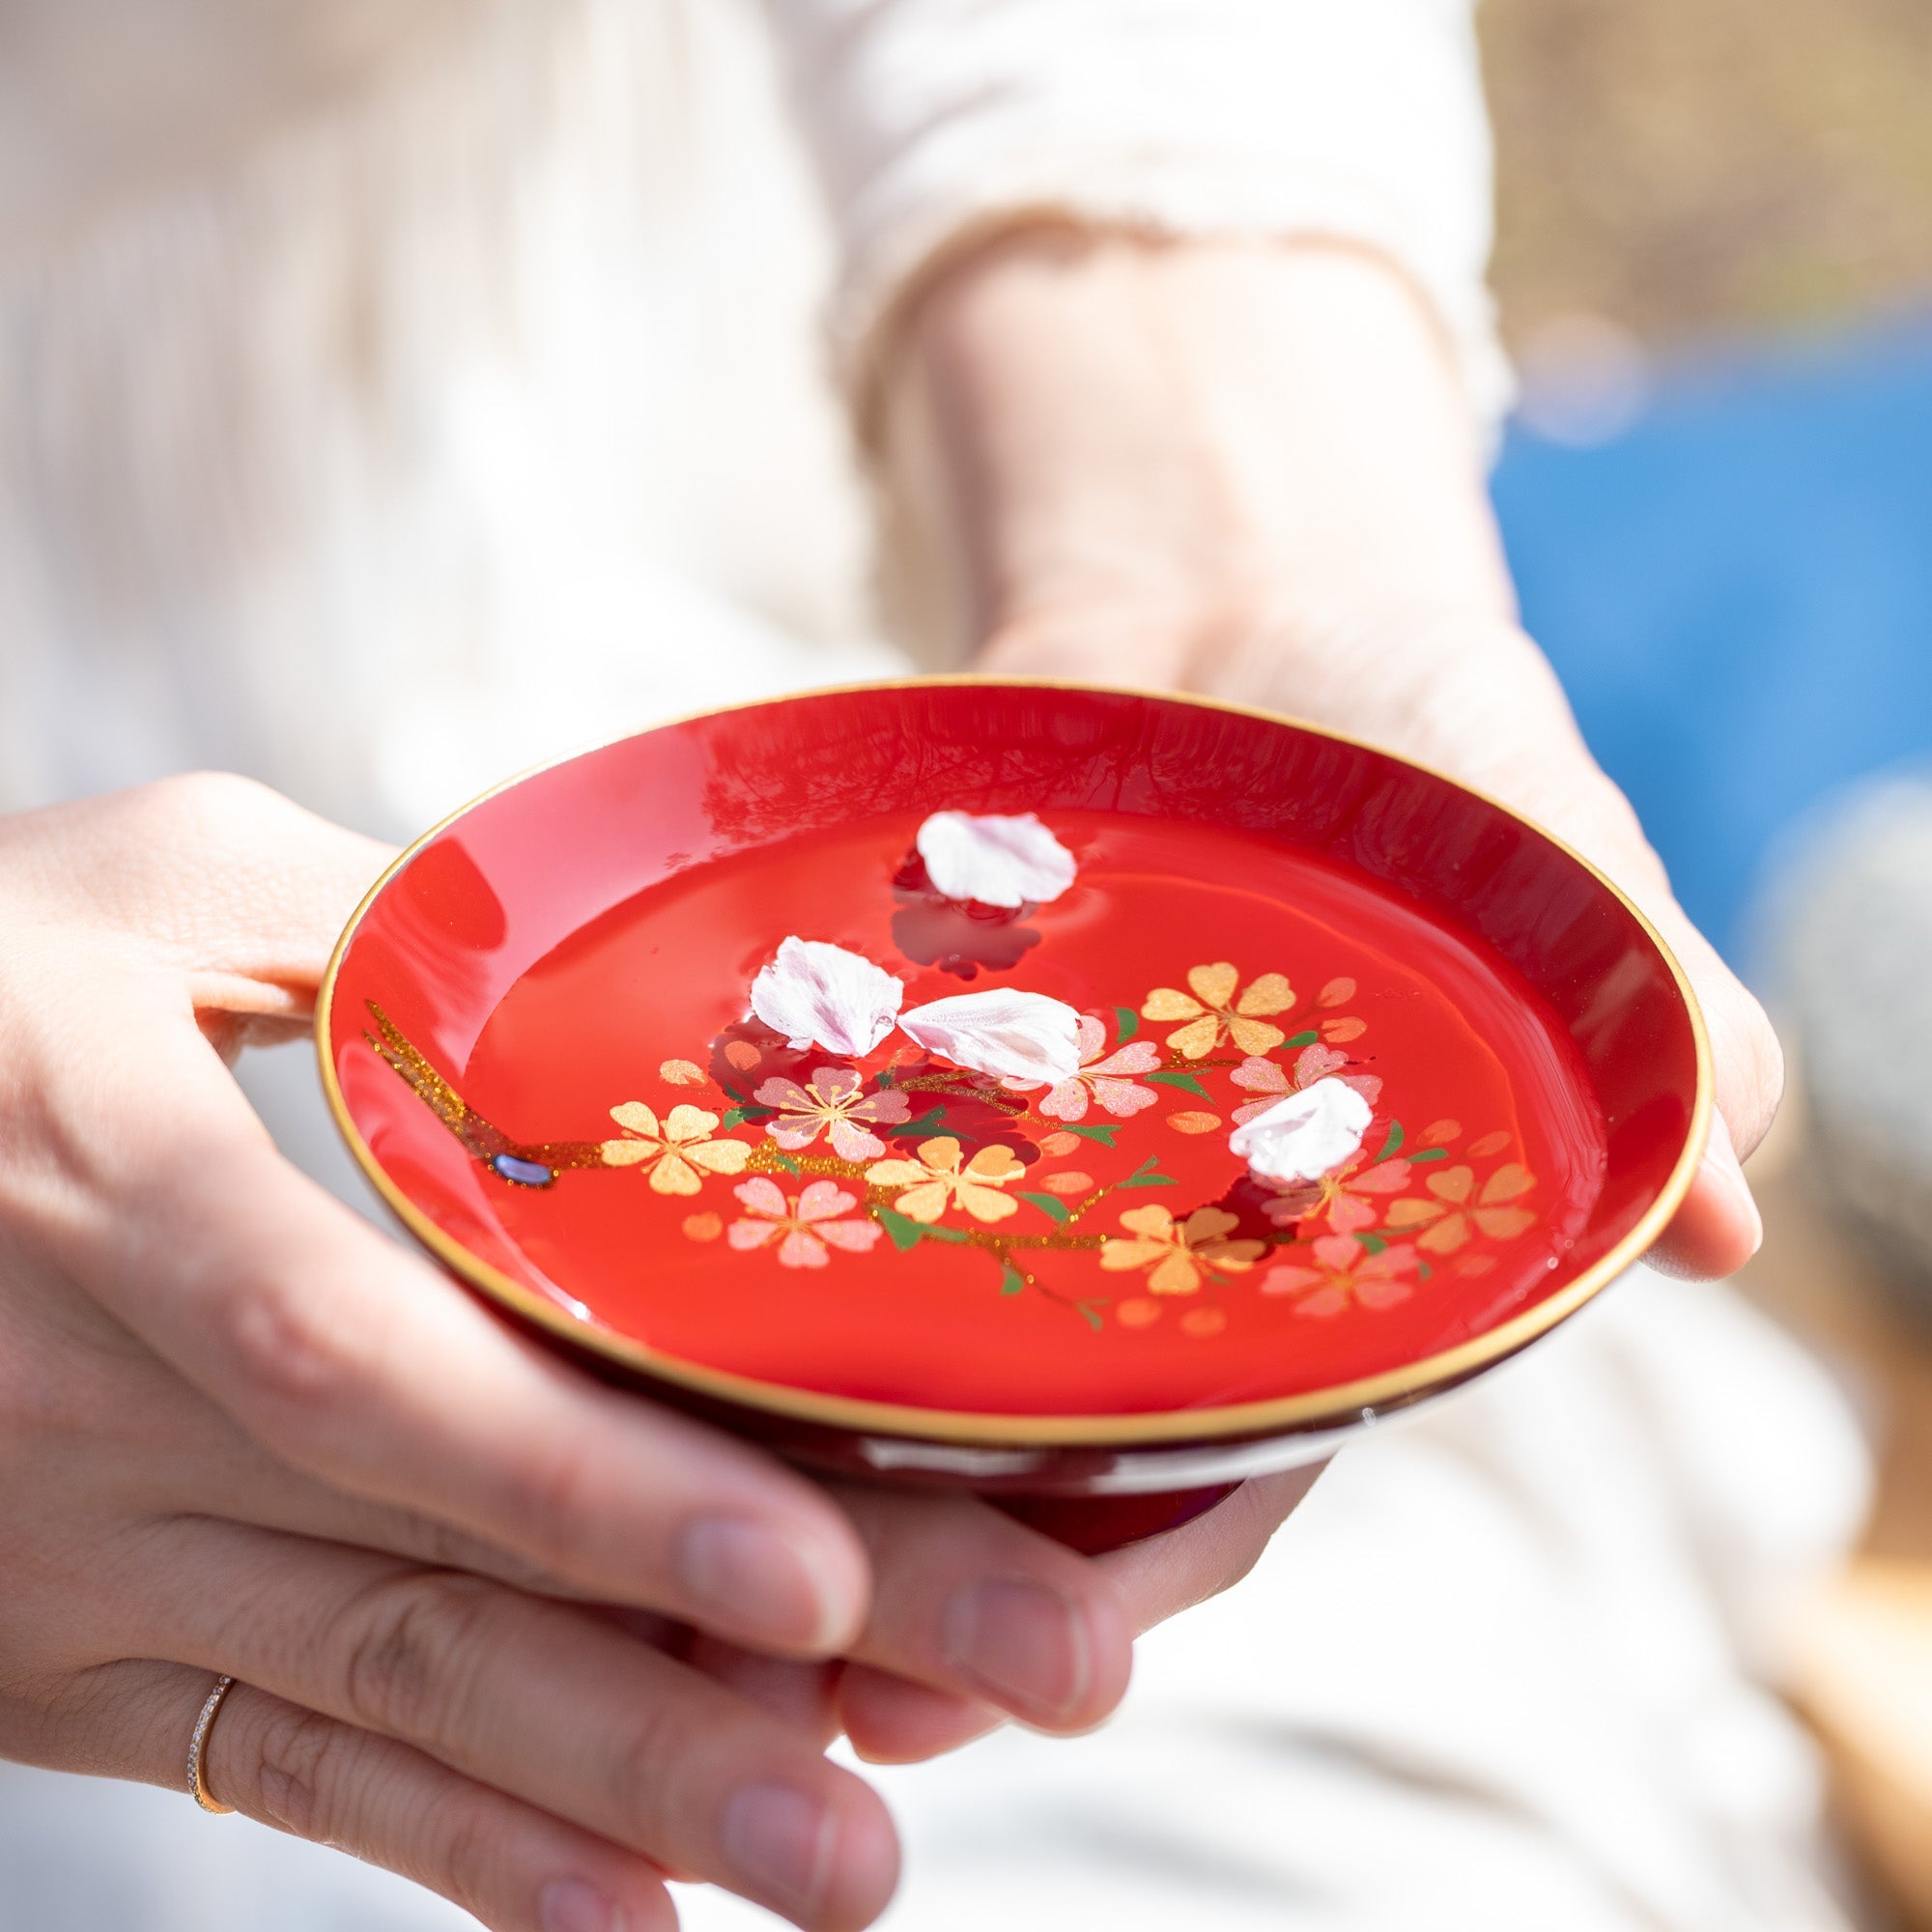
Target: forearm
{"x": 1202, "y": 440}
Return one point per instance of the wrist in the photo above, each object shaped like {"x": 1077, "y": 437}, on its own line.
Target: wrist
{"x": 1176, "y": 444}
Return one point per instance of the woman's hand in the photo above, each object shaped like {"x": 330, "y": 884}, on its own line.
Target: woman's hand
{"x": 529, "y": 1639}
{"x": 1251, "y": 472}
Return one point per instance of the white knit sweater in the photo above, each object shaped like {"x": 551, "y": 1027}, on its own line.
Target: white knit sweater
{"x": 390, "y": 396}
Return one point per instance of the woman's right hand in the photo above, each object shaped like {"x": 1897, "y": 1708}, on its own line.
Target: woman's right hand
{"x": 456, "y": 1579}
{"x": 244, "y": 1432}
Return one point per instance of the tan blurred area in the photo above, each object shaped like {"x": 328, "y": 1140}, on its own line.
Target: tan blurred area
{"x": 1689, "y": 170}
{"x": 1862, "y": 1662}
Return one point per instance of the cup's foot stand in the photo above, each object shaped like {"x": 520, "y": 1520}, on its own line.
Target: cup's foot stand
{"x": 1095, "y": 1524}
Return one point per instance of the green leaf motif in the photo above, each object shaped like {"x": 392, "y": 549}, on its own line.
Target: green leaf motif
{"x": 1390, "y": 1146}
{"x": 1090, "y": 1314}
{"x": 1423, "y": 1270}
{"x": 1300, "y": 1040}
{"x": 905, "y": 1129}
{"x": 1012, "y": 1280}
{"x": 790, "y": 1165}
{"x": 1187, "y": 1082}
{"x": 1427, "y": 1153}
{"x": 1373, "y": 1243}
{"x": 1148, "y": 1175}
{"x": 1055, "y": 1211}
{"x": 901, "y": 1229}
{"x": 735, "y": 1116}
{"x": 906, "y": 1234}
{"x": 1127, "y": 1024}
{"x": 1104, "y": 1135}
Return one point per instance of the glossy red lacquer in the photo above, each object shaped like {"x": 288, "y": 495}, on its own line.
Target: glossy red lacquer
{"x": 586, "y": 937}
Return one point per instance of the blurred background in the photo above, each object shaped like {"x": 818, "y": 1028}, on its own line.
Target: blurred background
{"x": 1715, "y": 265}
{"x": 1715, "y": 268}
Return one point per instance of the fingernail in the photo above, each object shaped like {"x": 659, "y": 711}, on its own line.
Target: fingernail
{"x": 1720, "y": 1162}
{"x": 569, "y": 1905}
{"x": 756, "y": 1580}
{"x": 779, "y": 1841}
{"x": 1020, "y": 1641}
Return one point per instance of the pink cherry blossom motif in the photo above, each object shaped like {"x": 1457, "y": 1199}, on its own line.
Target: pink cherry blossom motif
{"x": 1317, "y": 1062}
{"x": 1106, "y": 1080}
{"x": 832, "y": 1104}
{"x": 807, "y": 1223}
{"x": 1350, "y": 1201}
{"x": 1345, "y": 1273}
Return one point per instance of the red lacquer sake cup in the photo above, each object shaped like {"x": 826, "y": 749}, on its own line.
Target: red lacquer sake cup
{"x": 536, "y": 1036}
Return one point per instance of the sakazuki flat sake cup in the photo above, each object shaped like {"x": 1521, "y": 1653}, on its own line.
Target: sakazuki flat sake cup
{"x": 536, "y": 1036}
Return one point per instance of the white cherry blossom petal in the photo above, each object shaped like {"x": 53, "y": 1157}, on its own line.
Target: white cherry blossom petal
{"x": 820, "y": 995}
{"x": 1024, "y": 1037}
{"x": 1302, "y": 1137}
{"x": 999, "y": 861}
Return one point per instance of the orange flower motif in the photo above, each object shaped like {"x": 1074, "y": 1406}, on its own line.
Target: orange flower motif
{"x": 1272, "y": 1080}
{"x": 1449, "y": 1219}
{"x": 803, "y": 1226}
{"x": 1179, "y": 1253}
{"x": 1350, "y": 1201}
{"x": 679, "y": 1152}
{"x": 936, "y": 1181}
{"x": 1211, "y": 1010}
{"x": 1344, "y": 1272}
{"x": 1338, "y": 993}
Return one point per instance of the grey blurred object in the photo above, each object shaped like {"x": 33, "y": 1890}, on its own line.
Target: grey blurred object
{"x": 1848, "y": 942}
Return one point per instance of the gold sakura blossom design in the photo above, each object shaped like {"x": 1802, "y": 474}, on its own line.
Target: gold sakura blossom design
{"x": 936, "y": 1179}
{"x": 1212, "y": 1010}
{"x": 819, "y": 1175}
{"x": 1448, "y": 1220}
{"x": 678, "y": 1152}
{"x": 1179, "y": 1253}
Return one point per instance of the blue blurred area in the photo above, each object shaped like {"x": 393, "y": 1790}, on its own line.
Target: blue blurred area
{"x": 1736, "y": 592}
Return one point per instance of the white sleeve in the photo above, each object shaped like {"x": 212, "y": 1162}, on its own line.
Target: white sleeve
{"x": 936, "y": 122}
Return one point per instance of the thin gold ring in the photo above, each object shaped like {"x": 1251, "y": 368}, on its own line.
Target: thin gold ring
{"x": 197, "y": 1747}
